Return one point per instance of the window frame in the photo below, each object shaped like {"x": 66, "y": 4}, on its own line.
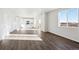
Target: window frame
{"x": 67, "y": 26}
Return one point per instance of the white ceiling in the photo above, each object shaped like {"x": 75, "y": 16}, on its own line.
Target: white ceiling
{"x": 48, "y": 9}
{"x": 32, "y": 11}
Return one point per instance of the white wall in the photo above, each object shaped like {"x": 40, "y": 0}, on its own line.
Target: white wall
{"x": 1, "y": 23}
{"x": 7, "y": 21}
{"x": 43, "y": 18}
{"x": 26, "y": 12}
{"x": 71, "y": 33}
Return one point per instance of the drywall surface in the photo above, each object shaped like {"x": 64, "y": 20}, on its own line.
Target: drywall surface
{"x": 43, "y": 20}
{"x": 7, "y": 21}
{"x": 10, "y": 19}
{"x": 71, "y": 33}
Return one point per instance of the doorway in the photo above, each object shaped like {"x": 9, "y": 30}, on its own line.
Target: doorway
{"x": 28, "y": 26}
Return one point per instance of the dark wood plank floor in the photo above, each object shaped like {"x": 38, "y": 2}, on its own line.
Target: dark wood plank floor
{"x": 49, "y": 42}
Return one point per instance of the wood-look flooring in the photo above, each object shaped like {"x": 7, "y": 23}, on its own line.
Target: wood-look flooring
{"x": 49, "y": 42}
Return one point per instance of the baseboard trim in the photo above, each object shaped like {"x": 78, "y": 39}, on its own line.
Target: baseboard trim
{"x": 64, "y": 37}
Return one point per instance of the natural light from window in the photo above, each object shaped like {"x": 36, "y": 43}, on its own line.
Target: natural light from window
{"x": 68, "y": 17}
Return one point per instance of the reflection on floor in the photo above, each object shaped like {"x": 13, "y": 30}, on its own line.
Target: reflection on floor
{"x": 23, "y": 37}
{"x": 49, "y": 42}
{"x": 24, "y": 32}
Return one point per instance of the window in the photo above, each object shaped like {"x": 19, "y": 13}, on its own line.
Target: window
{"x": 68, "y": 17}
{"x": 62, "y": 18}
{"x": 27, "y": 22}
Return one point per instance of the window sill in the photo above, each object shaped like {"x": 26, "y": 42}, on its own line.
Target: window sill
{"x": 67, "y": 27}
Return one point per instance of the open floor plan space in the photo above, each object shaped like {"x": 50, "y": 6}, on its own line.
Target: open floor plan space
{"x": 39, "y": 28}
